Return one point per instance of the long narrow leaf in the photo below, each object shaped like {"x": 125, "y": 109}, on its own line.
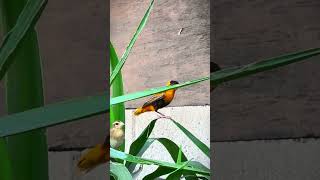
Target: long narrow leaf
{"x": 148, "y": 92}
{"x": 124, "y": 156}
{"x": 137, "y": 146}
{"x": 217, "y": 77}
{"x": 26, "y": 20}
{"x": 256, "y": 67}
{"x": 227, "y": 74}
{"x": 117, "y": 112}
{"x": 132, "y": 42}
{"x": 204, "y": 148}
{"x": 53, "y": 114}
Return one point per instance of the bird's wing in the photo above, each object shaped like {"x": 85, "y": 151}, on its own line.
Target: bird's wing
{"x": 153, "y": 99}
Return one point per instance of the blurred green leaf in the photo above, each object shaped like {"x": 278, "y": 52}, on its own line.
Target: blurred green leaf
{"x": 232, "y": 73}
{"x": 53, "y": 114}
{"x": 125, "y": 55}
{"x": 20, "y": 62}
{"x": 119, "y": 171}
{"x": 28, "y": 17}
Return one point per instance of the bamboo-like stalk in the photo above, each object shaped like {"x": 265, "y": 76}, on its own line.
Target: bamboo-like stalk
{"x": 28, "y": 151}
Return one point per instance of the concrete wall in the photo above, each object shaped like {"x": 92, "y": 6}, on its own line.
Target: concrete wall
{"x": 160, "y": 54}
{"x": 281, "y": 103}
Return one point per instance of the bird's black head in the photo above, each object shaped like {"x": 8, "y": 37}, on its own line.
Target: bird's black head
{"x": 172, "y": 82}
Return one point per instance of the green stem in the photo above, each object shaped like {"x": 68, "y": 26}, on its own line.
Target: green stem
{"x": 117, "y": 112}
{"x": 27, "y": 151}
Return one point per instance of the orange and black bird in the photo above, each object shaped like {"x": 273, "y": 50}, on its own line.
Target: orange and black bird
{"x": 158, "y": 101}
{"x": 95, "y": 156}
{"x": 213, "y": 68}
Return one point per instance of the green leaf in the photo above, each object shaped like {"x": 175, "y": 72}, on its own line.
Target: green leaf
{"x": 174, "y": 151}
{"x": 132, "y": 42}
{"x": 53, "y": 114}
{"x": 128, "y": 157}
{"x": 176, "y": 174}
{"x": 256, "y": 67}
{"x": 5, "y": 165}
{"x": 119, "y": 171}
{"x": 179, "y": 156}
{"x": 148, "y": 92}
{"x": 204, "y": 148}
{"x": 137, "y": 146}
{"x": 28, "y": 17}
{"x": 141, "y": 144}
{"x": 117, "y": 112}
{"x": 160, "y": 171}
{"x": 20, "y": 61}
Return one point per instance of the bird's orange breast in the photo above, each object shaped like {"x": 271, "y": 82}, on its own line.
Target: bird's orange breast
{"x": 169, "y": 95}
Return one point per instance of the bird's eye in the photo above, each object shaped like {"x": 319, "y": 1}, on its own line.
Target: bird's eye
{"x": 116, "y": 124}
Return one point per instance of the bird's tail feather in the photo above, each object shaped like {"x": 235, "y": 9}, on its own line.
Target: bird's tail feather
{"x": 138, "y": 111}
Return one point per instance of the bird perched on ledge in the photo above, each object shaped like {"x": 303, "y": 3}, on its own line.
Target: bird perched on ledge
{"x": 158, "y": 101}
{"x": 100, "y": 154}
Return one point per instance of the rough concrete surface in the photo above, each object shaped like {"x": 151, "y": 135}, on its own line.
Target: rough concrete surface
{"x": 280, "y": 103}
{"x": 160, "y": 54}
{"x": 269, "y": 160}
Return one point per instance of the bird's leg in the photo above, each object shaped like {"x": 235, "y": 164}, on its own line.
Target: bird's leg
{"x": 163, "y": 116}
